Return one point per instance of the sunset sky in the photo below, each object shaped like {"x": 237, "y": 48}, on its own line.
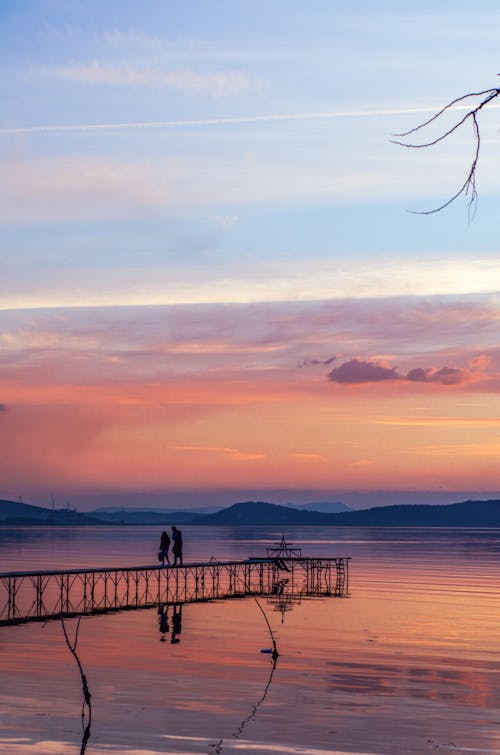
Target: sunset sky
{"x": 210, "y": 281}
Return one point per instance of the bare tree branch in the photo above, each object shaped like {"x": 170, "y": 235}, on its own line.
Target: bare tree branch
{"x": 468, "y": 188}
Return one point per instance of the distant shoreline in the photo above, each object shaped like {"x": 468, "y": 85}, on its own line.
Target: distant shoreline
{"x": 468, "y": 514}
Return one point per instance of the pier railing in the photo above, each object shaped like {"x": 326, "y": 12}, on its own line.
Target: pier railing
{"x": 46, "y": 595}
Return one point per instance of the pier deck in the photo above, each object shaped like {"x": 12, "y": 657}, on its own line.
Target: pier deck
{"x": 45, "y": 595}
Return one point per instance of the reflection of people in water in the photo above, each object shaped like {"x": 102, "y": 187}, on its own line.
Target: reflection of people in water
{"x": 177, "y": 546}
{"x": 163, "y": 622}
{"x": 176, "y": 623}
{"x": 175, "y": 620}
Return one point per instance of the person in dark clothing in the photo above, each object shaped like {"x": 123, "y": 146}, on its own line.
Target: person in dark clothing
{"x": 177, "y": 546}
{"x": 164, "y": 546}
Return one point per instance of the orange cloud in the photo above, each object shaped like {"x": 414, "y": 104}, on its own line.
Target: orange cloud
{"x": 233, "y": 453}
{"x": 308, "y": 457}
{"x": 210, "y": 396}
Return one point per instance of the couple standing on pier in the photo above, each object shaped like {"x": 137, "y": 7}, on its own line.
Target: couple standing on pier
{"x": 176, "y": 547}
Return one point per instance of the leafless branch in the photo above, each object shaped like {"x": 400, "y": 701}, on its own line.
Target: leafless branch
{"x": 468, "y": 188}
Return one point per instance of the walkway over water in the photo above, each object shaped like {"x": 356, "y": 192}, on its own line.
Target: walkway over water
{"x": 45, "y": 595}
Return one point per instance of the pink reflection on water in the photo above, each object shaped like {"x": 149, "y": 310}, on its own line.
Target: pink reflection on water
{"x": 409, "y": 664}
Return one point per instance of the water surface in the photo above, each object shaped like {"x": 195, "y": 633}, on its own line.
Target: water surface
{"x": 409, "y": 663}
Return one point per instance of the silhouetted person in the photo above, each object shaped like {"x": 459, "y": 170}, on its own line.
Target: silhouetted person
{"x": 177, "y": 546}
{"x": 176, "y": 624}
{"x": 164, "y": 546}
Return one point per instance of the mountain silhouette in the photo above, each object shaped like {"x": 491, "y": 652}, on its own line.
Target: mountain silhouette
{"x": 325, "y": 507}
{"x": 464, "y": 514}
{"x": 17, "y": 513}
{"x": 260, "y": 512}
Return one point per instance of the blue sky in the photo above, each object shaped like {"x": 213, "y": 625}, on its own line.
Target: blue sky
{"x": 170, "y": 154}
{"x": 225, "y": 190}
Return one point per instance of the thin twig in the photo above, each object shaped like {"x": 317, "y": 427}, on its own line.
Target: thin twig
{"x": 468, "y": 187}
{"x": 239, "y": 731}
{"x": 493, "y": 92}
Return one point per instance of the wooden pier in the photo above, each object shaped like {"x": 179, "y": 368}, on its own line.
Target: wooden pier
{"x": 47, "y": 595}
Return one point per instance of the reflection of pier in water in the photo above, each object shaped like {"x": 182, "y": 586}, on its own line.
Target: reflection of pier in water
{"x": 44, "y": 595}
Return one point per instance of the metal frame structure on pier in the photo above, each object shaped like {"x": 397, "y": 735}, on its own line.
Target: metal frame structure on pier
{"x": 45, "y": 595}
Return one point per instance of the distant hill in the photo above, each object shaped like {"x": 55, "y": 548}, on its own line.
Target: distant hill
{"x": 195, "y": 510}
{"x": 325, "y": 507}
{"x": 465, "y": 514}
{"x": 260, "y": 512}
{"x": 143, "y": 516}
{"x": 17, "y": 513}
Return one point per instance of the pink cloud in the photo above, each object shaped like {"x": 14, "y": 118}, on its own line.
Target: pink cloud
{"x": 357, "y": 371}
{"x": 315, "y": 362}
{"x": 480, "y": 363}
{"x": 444, "y": 375}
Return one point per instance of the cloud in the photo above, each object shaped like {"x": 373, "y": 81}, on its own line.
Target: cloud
{"x": 315, "y": 362}
{"x": 216, "y": 84}
{"x": 225, "y": 222}
{"x": 357, "y": 371}
{"x": 308, "y": 457}
{"x": 437, "y": 421}
{"x": 76, "y": 188}
{"x": 232, "y": 453}
{"x": 360, "y": 305}
{"x": 444, "y": 375}
{"x": 480, "y": 363}
{"x": 132, "y": 39}
{"x": 222, "y": 341}
{"x": 3, "y": 408}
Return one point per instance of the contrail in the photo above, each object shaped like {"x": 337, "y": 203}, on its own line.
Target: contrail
{"x": 272, "y": 118}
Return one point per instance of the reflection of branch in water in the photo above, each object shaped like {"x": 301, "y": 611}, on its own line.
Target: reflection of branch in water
{"x": 87, "y": 703}
{"x": 237, "y": 733}
{"x": 216, "y": 749}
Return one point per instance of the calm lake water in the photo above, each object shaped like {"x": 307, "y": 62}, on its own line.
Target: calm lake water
{"x": 408, "y": 664}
